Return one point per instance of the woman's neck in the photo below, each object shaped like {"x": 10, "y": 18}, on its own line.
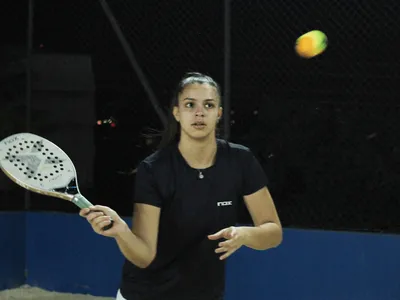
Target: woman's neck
{"x": 199, "y": 154}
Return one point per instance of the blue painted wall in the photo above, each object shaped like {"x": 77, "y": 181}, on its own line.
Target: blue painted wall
{"x": 12, "y": 249}
{"x": 63, "y": 254}
{"x": 319, "y": 265}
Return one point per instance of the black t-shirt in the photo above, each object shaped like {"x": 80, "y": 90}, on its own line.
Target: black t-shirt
{"x": 192, "y": 207}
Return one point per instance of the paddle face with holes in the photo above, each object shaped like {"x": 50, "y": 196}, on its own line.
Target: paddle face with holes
{"x": 38, "y": 165}
{"x": 42, "y": 167}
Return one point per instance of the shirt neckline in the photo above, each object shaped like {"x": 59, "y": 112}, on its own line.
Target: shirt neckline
{"x": 217, "y": 157}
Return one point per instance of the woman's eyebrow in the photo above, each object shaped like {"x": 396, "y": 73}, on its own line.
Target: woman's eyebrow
{"x": 193, "y": 99}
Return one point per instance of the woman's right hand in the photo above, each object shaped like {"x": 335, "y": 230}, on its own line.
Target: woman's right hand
{"x": 100, "y": 216}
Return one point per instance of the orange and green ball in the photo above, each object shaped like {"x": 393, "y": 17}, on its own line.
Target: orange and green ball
{"x": 311, "y": 44}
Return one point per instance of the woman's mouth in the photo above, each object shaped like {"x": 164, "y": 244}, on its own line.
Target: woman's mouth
{"x": 199, "y": 125}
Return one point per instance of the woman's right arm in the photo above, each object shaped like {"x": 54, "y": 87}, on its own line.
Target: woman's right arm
{"x": 139, "y": 245}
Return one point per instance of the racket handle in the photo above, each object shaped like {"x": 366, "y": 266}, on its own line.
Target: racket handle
{"x": 82, "y": 202}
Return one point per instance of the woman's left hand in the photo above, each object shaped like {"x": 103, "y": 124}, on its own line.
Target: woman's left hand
{"x": 233, "y": 240}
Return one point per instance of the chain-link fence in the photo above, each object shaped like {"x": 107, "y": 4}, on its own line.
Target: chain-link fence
{"x": 325, "y": 129}
{"x": 328, "y": 125}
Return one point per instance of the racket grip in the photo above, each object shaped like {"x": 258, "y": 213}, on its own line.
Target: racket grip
{"x": 82, "y": 202}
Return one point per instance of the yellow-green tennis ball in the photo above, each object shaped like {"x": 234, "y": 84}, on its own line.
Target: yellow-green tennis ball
{"x": 311, "y": 44}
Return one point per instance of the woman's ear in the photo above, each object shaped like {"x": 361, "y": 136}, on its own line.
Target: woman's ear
{"x": 175, "y": 112}
{"x": 220, "y": 111}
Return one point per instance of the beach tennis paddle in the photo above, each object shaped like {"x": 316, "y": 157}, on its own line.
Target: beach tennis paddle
{"x": 40, "y": 166}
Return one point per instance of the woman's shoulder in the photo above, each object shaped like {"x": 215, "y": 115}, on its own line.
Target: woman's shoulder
{"x": 234, "y": 148}
{"x": 157, "y": 159}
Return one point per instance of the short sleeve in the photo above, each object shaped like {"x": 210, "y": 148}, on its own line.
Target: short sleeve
{"x": 146, "y": 190}
{"x": 254, "y": 177}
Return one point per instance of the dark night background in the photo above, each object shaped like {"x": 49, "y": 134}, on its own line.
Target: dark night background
{"x": 326, "y": 130}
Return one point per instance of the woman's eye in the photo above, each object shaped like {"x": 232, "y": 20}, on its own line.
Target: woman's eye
{"x": 209, "y": 105}
{"x": 189, "y": 105}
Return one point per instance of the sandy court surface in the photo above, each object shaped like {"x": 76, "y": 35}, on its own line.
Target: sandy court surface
{"x": 27, "y": 292}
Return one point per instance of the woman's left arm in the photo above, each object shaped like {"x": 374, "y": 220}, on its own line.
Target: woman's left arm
{"x": 267, "y": 230}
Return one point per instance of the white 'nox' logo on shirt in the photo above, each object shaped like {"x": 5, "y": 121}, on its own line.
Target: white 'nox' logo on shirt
{"x": 224, "y": 203}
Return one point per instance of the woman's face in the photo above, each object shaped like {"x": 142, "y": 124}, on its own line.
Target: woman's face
{"x": 198, "y": 110}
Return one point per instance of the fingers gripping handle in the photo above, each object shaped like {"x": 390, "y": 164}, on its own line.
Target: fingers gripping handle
{"x": 82, "y": 202}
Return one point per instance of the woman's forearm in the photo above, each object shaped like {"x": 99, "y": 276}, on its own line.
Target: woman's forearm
{"x": 263, "y": 237}
{"x": 134, "y": 248}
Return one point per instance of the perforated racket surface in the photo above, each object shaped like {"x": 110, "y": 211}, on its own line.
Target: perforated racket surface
{"x": 40, "y": 166}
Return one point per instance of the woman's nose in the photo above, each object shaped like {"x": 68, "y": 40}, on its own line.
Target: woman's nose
{"x": 200, "y": 113}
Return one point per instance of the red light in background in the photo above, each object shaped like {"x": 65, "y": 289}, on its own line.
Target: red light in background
{"x": 109, "y": 122}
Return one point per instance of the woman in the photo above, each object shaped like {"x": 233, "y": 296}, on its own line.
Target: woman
{"x": 187, "y": 195}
